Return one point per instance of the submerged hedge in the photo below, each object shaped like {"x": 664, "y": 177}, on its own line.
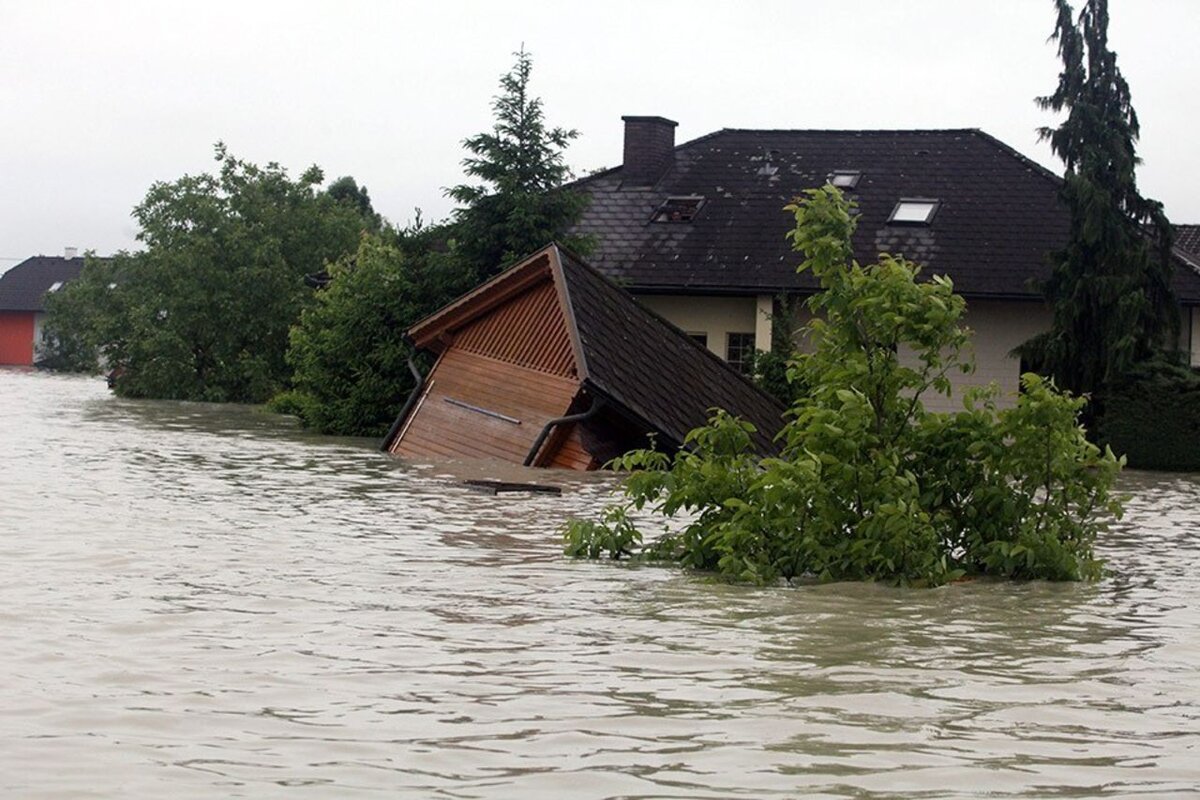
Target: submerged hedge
{"x": 1154, "y": 418}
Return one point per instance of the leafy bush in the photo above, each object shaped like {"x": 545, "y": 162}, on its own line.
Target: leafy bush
{"x": 1153, "y": 417}
{"x": 869, "y": 485}
{"x": 348, "y": 350}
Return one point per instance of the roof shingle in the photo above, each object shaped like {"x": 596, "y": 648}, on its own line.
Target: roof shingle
{"x": 23, "y": 287}
{"x": 999, "y": 217}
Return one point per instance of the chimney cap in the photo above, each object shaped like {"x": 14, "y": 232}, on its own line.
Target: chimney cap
{"x": 658, "y": 120}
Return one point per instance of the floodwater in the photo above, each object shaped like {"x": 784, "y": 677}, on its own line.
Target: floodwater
{"x": 201, "y": 601}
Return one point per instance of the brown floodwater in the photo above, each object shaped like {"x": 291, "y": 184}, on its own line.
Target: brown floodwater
{"x": 203, "y": 601}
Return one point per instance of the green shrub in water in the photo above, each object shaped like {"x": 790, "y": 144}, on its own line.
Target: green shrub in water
{"x": 869, "y": 485}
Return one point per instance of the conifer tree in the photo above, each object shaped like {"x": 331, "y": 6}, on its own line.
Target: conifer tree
{"x": 521, "y": 205}
{"x": 1110, "y": 285}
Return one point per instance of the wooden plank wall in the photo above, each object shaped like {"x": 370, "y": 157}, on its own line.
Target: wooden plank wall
{"x": 528, "y": 330}
{"x": 570, "y": 454}
{"x": 443, "y": 429}
{"x": 515, "y": 361}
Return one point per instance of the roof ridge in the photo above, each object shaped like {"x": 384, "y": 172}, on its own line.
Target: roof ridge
{"x": 1045, "y": 172}
{"x": 850, "y": 130}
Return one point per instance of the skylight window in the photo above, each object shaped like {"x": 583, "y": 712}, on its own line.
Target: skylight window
{"x": 845, "y": 178}
{"x": 682, "y": 208}
{"x": 914, "y": 211}
{"x": 54, "y": 287}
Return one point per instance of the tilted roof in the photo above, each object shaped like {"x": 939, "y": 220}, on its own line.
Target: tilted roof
{"x": 647, "y": 365}
{"x": 625, "y": 353}
{"x": 998, "y": 217}
{"x": 24, "y": 286}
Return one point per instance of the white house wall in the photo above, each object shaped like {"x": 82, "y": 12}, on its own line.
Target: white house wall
{"x": 39, "y": 319}
{"x": 716, "y": 317}
{"x": 998, "y": 326}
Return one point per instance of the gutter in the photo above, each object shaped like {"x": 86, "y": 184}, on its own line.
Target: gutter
{"x": 597, "y": 404}
{"x": 408, "y": 404}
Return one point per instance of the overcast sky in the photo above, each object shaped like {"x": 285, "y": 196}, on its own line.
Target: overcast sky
{"x": 99, "y": 100}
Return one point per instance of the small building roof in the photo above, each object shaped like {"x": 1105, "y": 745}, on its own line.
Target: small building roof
{"x": 637, "y": 361}
{"x": 24, "y": 287}
{"x": 1187, "y": 239}
{"x": 998, "y": 213}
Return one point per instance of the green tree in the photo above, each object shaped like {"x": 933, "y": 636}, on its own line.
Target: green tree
{"x": 1110, "y": 285}
{"x": 869, "y": 485}
{"x": 521, "y": 204}
{"x": 203, "y": 312}
{"x": 346, "y": 190}
{"x": 348, "y": 350}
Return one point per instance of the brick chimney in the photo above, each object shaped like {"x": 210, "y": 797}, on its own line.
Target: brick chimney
{"x": 649, "y": 149}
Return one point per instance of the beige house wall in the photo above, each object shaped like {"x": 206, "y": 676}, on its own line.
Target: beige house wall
{"x": 716, "y": 317}
{"x": 997, "y": 327}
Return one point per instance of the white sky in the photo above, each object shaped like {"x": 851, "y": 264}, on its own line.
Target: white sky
{"x": 98, "y": 100}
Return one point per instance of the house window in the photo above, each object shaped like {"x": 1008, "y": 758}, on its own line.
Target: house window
{"x": 54, "y": 287}
{"x": 699, "y": 338}
{"x": 914, "y": 211}
{"x": 845, "y": 178}
{"x": 739, "y": 351}
{"x": 682, "y": 208}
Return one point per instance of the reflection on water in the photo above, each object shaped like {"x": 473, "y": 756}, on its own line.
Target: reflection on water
{"x": 201, "y": 601}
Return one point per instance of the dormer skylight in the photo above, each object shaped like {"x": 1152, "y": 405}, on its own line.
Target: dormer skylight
{"x": 914, "y": 211}
{"x": 845, "y": 178}
{"x": 679, "y": 208}
{"x": 54, "y": 287}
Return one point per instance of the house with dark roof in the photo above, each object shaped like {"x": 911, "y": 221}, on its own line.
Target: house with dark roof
{"x": 23, "y": 289}
{"x": 551, "y": 364}
{"x": 696, "y": 231}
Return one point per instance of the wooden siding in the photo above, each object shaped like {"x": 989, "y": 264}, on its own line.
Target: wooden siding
{"x": 16, "y": 337}
{"x": 441, "y": 429}
{"x": 569, "y": 453}
{"x": 529, "y": 330}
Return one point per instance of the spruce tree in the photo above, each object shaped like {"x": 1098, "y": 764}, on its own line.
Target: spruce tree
{"x": 1110, "y": 284}
{"x": 521, "y": 205}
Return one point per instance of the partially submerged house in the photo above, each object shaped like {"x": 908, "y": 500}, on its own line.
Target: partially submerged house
{"x": 23, "y": 290}
{"x": 696, "y": 231}
{"x": 551, "y": 364}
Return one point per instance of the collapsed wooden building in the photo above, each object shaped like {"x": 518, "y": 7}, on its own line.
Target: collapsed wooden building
{"x": 550, "y": 364}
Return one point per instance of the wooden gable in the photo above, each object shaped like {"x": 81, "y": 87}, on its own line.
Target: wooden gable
{"x": 503, "y": 373}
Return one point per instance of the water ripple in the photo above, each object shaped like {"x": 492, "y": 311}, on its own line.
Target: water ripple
{"x": 201, "y": 601}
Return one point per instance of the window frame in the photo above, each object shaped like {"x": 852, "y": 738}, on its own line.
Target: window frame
{"x": 933, "y": 203}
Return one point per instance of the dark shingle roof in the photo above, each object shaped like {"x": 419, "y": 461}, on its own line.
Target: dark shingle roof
{"x": 1187, "y": 238}
{"x": 642, "y": 362}
{"x": 999, "y": 216}
{"x": 23, "y": 287}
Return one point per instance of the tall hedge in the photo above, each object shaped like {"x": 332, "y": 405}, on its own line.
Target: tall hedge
{"x": 1154, "y": 418}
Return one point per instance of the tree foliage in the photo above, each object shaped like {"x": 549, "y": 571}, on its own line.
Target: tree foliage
{"x": 520, "y": 204}
{"x": 346, "y": 190}
{"x": 203, "y": 312}
{"x": 1110, "y": 285}
{"x": 869, "y": 485}
{"x": 348, "y": 350}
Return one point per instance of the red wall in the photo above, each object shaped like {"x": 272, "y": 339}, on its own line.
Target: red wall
{"x": 16, "y": 337}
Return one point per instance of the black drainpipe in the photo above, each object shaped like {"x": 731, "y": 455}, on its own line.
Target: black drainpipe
{"x": 597, "y": 404}
{"x": 408, "y": 404}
